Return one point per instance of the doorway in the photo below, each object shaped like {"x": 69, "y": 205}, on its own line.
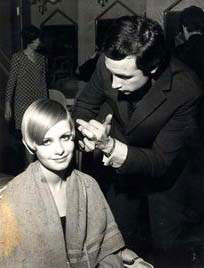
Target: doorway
{"x": 20, "y": 17}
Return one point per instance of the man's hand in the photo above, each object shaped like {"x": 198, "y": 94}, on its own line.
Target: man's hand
{"x": 87, "y": 145}
{"x": 96, "y": 134}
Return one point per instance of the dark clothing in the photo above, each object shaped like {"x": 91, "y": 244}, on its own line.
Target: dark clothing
{"x": 191, "y": 53}
{"x": 63, "y": 222}
{"x": 87, "y": 69}
{"x": 162, "y": 124}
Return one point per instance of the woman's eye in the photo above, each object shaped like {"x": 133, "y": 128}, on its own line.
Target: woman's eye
{"x": 67, "y": 137}
{"x": 46, "y": 142}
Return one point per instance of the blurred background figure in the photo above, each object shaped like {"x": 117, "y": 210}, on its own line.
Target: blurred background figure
{"x": 27, "y": 79}
{"x": 190, "y": 49}
{"x": 85, "y": 71}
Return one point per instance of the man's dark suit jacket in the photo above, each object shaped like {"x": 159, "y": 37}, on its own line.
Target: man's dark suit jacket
{"x": 161, "y": 127}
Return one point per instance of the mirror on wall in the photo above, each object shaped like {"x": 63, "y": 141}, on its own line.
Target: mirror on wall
{"x": 61, "y": 48}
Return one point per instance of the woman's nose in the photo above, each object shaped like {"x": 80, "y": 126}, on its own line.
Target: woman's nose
{"x": 116, "y": 82}
{"x": 59, "y": 148}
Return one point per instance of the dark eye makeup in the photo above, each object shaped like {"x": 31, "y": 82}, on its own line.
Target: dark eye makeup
{"x": 64, "y": 137}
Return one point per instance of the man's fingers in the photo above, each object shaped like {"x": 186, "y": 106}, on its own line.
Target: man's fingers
{"x": 95, "y": 124}
{"x": 92, "y": 125}
{"x": 86, "y": 145}
{"x": 81, "y": 144}
{"x": 107, "y": 123}
{"x": 94, "y": 130}
{"x": 108, "y": 119}
{"x": 87, "y": 133}
{"x": 82, "y": 123}
{"x": 89, "y": 145}
{"x": 88, "y": 129}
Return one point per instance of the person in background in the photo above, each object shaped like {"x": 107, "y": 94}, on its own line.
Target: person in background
{"x": 53, "y": 215}
{"x": 191, "y": 50}
{"x": 86, "y": 70}
{"x": 27, "y": 79}
{"x": 139, "y": 111}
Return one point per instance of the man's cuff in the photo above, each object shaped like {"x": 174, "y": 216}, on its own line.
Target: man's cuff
{"x": 118, "y": 156}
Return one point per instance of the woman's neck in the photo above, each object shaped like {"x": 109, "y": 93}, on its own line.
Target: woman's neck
{"x": 31, "y": 53}
{"x": 57, "y": 185}
{"x": 53, "y": 178}
{"x": 29, "y": 50}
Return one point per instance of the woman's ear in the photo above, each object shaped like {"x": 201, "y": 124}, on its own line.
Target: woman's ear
{"x": 31, "y": 151}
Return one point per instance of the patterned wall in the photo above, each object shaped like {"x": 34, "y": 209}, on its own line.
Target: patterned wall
{"x": 84, "y": 13}
{"x": 89, "y": 10}
{"x": 155, "y": 8}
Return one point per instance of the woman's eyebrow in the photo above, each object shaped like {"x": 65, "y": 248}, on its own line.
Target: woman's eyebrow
{"x": 70, "y": 133}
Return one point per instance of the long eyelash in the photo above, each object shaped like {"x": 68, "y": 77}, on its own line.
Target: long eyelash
{"x": 45, "y": 141}
{"x": 70, "y": 136}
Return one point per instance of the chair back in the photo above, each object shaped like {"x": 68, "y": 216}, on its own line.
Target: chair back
{"x": 58, "y": 96}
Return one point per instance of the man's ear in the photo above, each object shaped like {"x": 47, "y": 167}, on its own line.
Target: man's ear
{"x": 31, "y": 151}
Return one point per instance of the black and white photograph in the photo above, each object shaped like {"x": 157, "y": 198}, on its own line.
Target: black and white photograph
{"x": 102, "y": 134}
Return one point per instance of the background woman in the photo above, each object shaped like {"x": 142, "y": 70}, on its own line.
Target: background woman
{"x": 27, "y": 78}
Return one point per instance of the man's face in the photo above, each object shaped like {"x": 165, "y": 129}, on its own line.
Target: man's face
{"x": 125, "y": 75}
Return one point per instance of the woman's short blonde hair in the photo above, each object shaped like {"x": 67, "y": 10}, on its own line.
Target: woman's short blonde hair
{"x": 39, "y": 117}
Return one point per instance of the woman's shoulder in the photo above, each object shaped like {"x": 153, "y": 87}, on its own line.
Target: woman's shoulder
{"x": 18, "y": 55}
{"x": 87, "y": 179}
{"x": 17, "y": 182}
{"x": 40, "y": 56}
{"x": 19, "y": 190}
{"x": 22, "y": 181}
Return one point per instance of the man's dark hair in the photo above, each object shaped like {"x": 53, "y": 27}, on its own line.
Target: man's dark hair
{"x": 192, "y": 18}
{"x": 139, "y": 36}
{"x": 30, "y": 33}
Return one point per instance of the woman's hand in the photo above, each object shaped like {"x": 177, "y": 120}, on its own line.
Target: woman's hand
{"x": 131, "y": 260}
{"x": 128, "y": 256}
{"x": 8, "y": 111}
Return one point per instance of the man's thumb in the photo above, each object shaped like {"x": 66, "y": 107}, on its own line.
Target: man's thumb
{"x": 108, "y": 119}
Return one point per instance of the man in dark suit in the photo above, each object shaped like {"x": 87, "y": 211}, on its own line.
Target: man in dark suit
{"x": 191, "y": 50}
{"x": 139, "y": 110}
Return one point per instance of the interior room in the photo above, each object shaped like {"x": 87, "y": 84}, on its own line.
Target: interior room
{"x": 71, "y": 32}
{"x": 55, "y": 17}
